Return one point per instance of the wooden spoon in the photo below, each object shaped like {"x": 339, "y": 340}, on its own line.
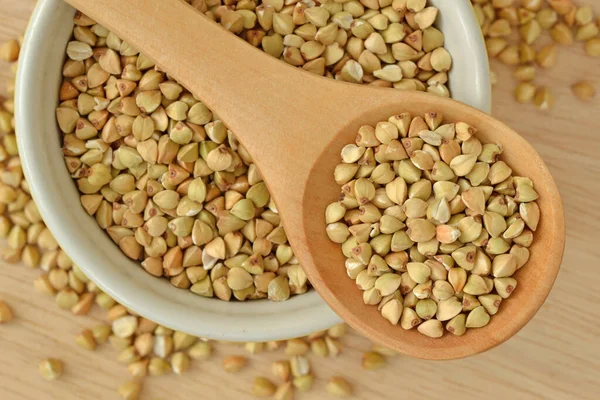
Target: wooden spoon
{"x": 294, "y": 124}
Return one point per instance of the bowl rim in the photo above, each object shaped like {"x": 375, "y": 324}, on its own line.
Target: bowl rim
{"x": 96, "y": 254}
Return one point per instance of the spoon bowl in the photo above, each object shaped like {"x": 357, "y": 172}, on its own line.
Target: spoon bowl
{"x": 297, "y": 147}
{"x": 535, "y": 279}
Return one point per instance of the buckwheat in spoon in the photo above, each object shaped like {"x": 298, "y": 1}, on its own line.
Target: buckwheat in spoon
{"x": 443, "y": 209}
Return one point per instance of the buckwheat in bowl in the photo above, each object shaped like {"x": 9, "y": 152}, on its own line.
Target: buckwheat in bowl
{"x": 150, "y": 194}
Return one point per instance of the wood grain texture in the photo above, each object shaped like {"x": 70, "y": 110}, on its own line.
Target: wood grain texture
{"x": 556, "y": 356}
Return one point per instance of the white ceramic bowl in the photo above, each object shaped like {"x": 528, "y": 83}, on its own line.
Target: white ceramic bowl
{"x": 38, "y": 81}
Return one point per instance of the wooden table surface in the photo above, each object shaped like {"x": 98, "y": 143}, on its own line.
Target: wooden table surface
{"x": 556, "y": 356}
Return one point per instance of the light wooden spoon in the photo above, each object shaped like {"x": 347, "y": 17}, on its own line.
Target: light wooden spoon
{"x": 294, "y": 125}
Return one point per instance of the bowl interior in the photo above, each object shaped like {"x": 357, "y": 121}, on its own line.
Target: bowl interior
{"x": 90, "y": 248}
{"x": 534, "y": 280}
